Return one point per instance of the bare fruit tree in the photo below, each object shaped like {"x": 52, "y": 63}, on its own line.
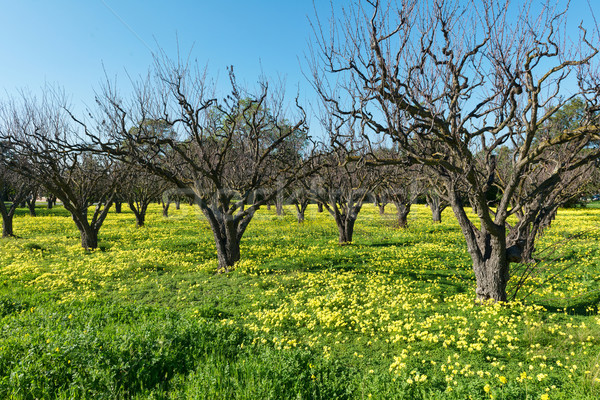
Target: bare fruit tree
{"x": 13, "y": 188}
{"x": 40, "y": 138}
{"x": 452, "y": 82}
{"x": 222, "y": 151}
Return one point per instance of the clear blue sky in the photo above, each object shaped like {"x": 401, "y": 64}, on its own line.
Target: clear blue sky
{"x": 67, "y": 42}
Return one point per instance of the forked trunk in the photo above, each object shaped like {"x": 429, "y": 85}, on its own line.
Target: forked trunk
{"x": 301, "y": 207}
{"x": 227, "y": 231}
{"x": 435, "y": 204}
{"x": 381, "y": 209}
{"x": 139, "y": 210}
{"x": 165, "y": 209}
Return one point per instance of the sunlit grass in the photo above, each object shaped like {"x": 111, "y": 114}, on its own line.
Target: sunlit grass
{"x": 393, "y": 313}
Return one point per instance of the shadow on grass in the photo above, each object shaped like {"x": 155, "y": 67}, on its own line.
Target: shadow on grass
{"x": 583, "y": 307}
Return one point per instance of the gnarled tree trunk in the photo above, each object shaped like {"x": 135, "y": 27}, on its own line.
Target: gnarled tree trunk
{"x": 491, "y": 267}
{"x": 487, "y": 248}
{"x": 402, "y": 211}
{"x": 437, "y": 206}
{"x": 227, "y": 231}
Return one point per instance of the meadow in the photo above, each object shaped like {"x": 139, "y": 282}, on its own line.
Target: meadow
{"x": 391, "y": 316}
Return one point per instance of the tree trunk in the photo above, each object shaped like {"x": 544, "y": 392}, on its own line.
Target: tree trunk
{"x": 488, "y": 253}
{"x": 165, "y": 209}
{"x": 49, "y": 203}
{"x": 435, "y": 204}
{"x": 227, "y": 231}
{"x": 300, "y": 209}
{"x": 118, "y": 205}
{"x": 381, "y": 208}
{"x": 139, "y": 212}
{"x": 228, "y": 252}
{"x": 140, "y": 218}
{"x": 402, "y": 211}
{"x": 436, "y": 214}
{"x": 346, "y": 229}
{"x": 279, "y": 206}
{"x": 31, "y": 206}
{"x": 269, "y": 205}
{"x": 89, "y": 239}
{"x": 319, "y": 207}
{"x": 491, "y": 270}
{"x": 177, "y": 204}
{"x": 7, "y": 225}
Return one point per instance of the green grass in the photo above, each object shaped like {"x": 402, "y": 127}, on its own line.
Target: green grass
{"x": 390, "y": 316}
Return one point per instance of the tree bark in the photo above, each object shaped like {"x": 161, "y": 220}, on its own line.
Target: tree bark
{"x": 139, "y": 210}
{"x": 227, "y": 231}
{"x": 435, "y": 204}
{"x": 9, "y": 213}
{"x": 346, "y": 229}
{"x": 487, "y": 248}
{"x": 492, "y": 270}
{"x": 165, "y": 208}
{"x": 319, "y": 207}
{"x": 31, "y": 206}
{"x": 436, "y": 214}
{"x": 118, "y": 205}
{"x": 300, "y": 210}
{"x": 177, "y": 204}
{"x": 228, "y": 252}
{"x": 279, "y": 206}
{"x": 402, "y": 212}
{"x": 49, "y": 203}
{"x": 89, "y": 239}
{"x": 381, "y": 209}
{"x": 7, "y": 225}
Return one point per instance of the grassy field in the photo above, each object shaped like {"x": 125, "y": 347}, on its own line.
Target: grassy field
{"x": 391, "y": 316}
